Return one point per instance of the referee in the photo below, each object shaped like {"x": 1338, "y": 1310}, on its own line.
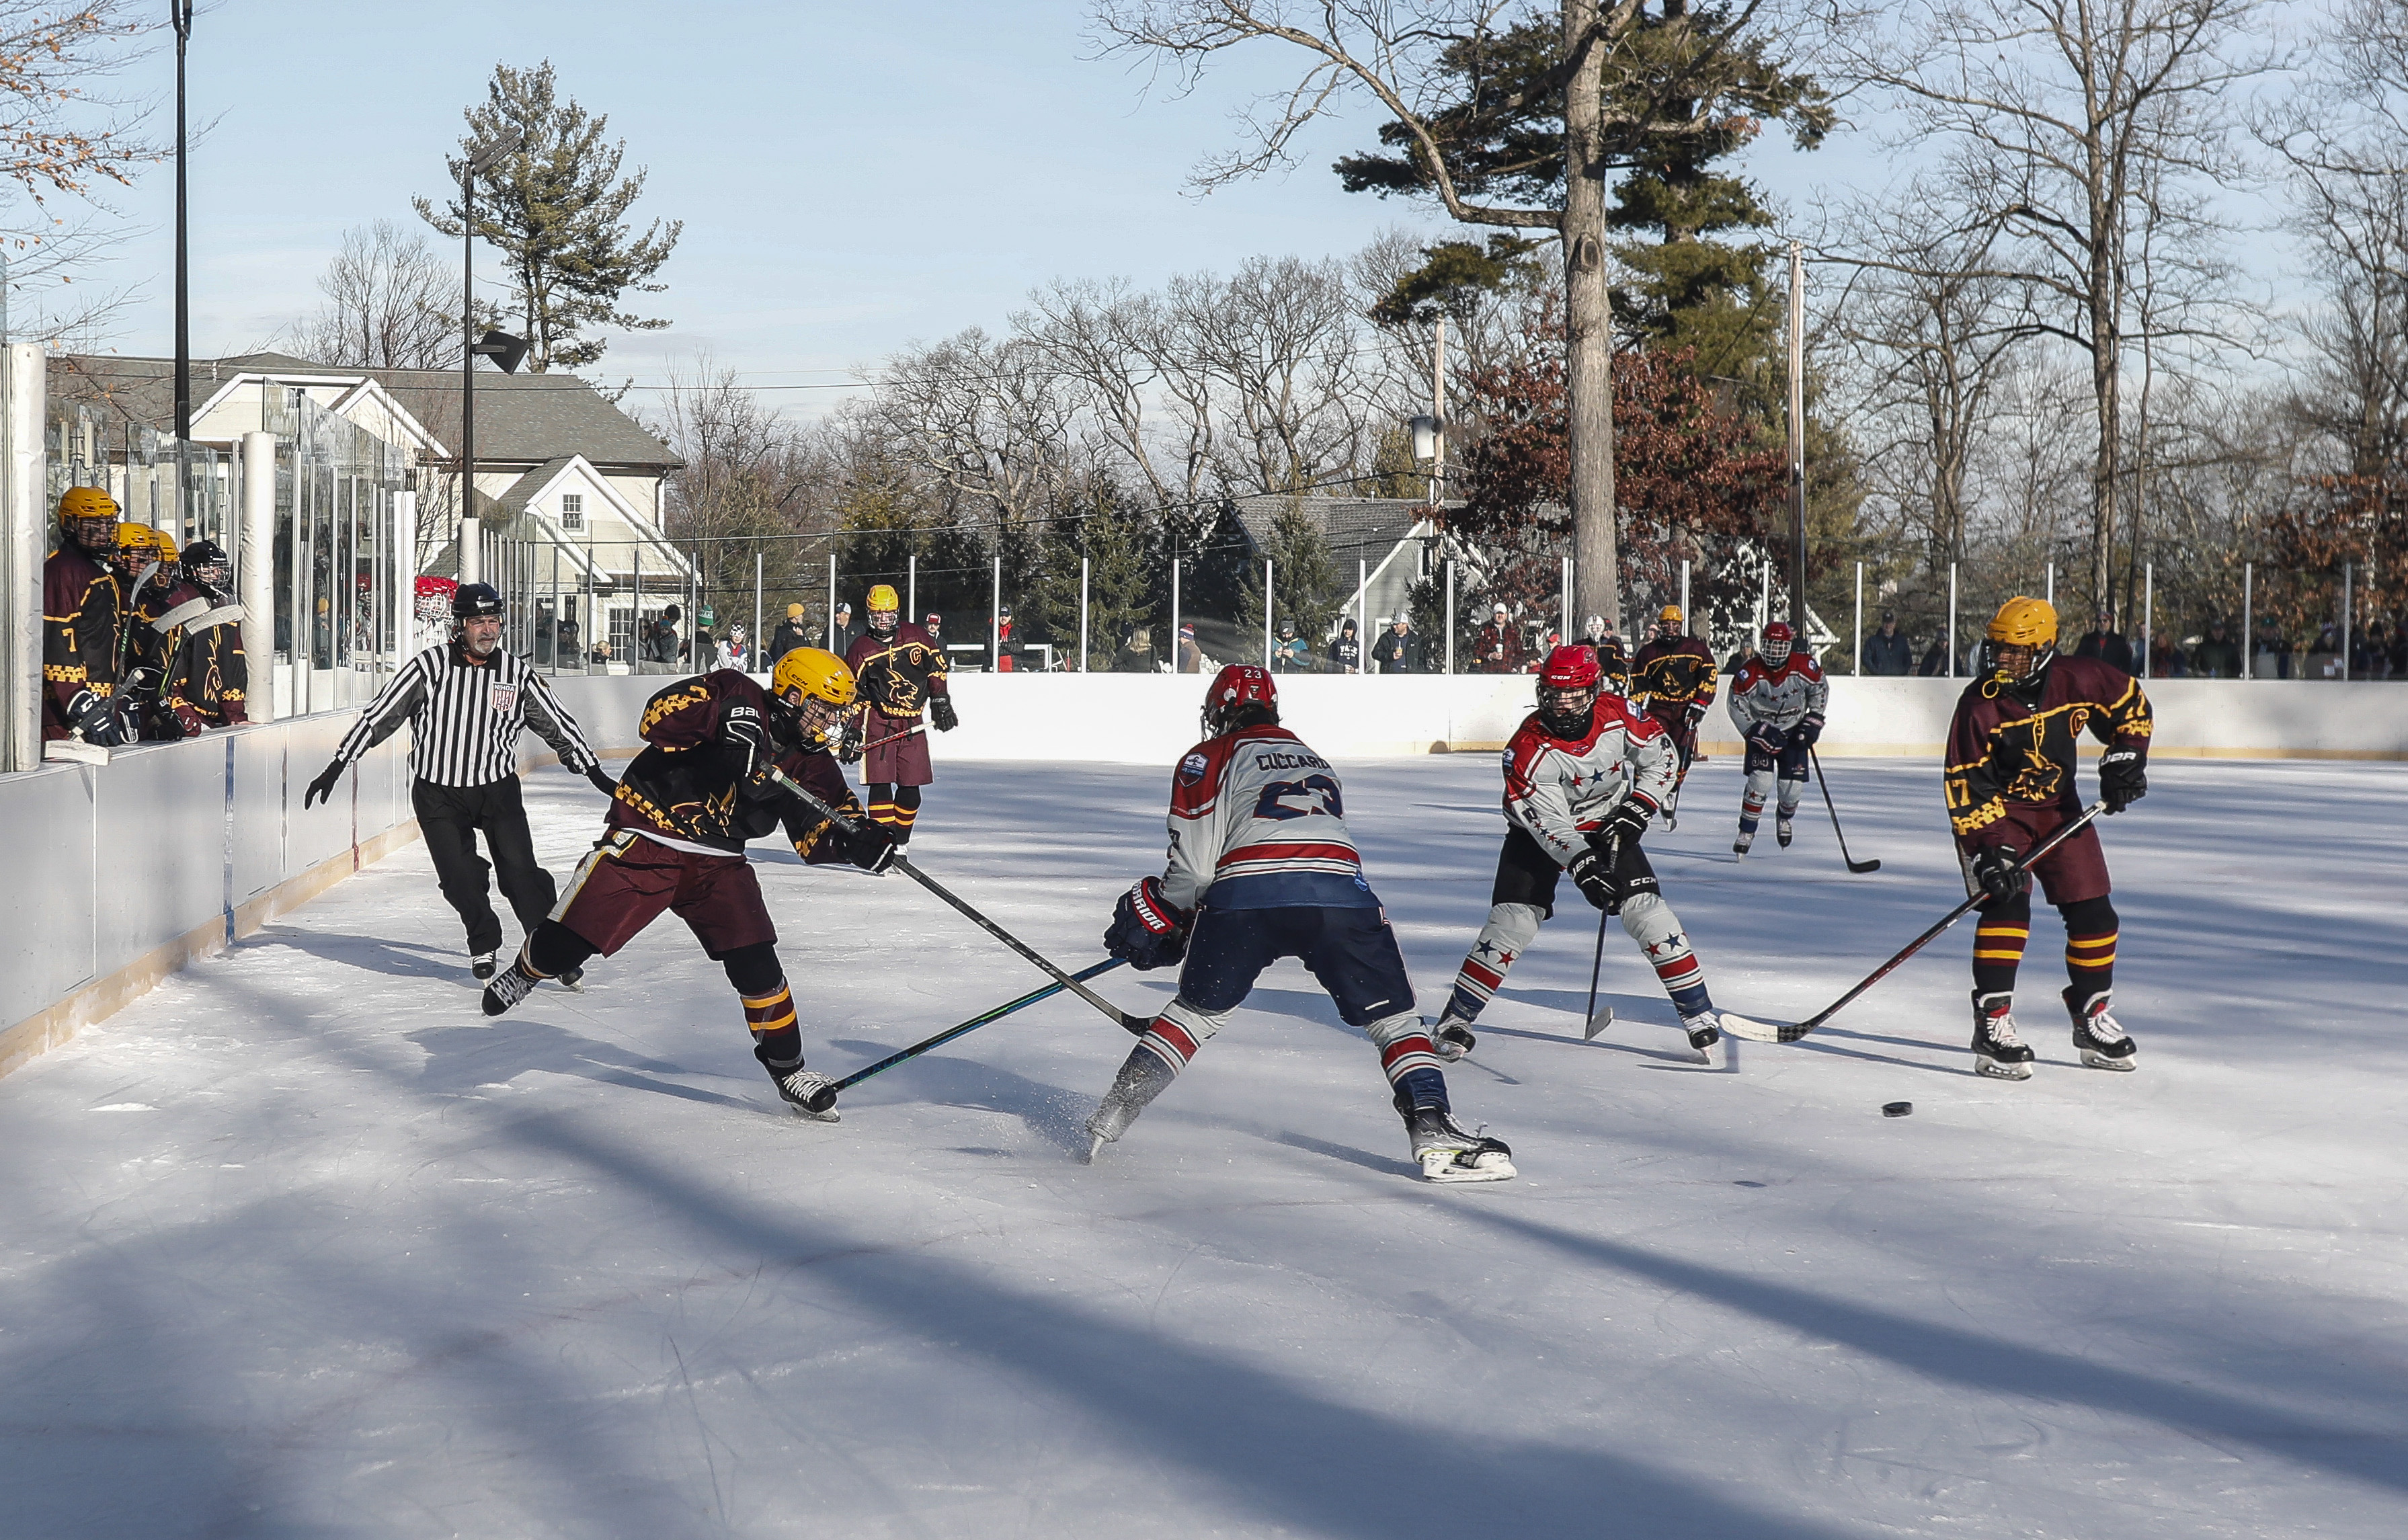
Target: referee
{"x": 465, "y": 702}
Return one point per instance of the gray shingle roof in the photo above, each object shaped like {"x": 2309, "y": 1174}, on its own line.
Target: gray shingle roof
{"x": 1357, "y": 527}
{"x": 520, "y": 418}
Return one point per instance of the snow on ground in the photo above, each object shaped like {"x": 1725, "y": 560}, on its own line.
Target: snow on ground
{"x": 301, "y": 1245}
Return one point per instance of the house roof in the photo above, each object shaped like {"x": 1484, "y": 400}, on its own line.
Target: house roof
{"x": 520, "y": 418}
{"x": 1359, "y": 528}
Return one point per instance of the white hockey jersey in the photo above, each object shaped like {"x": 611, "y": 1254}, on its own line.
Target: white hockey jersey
{"x": 1782, "y": 696}
{"x": 1259, "y": 821}
{"x": 1556, "y": 790}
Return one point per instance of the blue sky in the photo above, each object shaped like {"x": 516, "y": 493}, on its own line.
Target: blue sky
{"x": 852, "y": 176}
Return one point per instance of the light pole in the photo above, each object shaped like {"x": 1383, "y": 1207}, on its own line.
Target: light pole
{"x": 180, "y": 16}
{"x": 507, "y": 351}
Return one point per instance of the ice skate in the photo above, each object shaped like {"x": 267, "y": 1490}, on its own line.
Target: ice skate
{"x": 2101, "y": 1039}
{"x": 1448, "y": 1152}
{"x": 1997, "y": 1052}
{"x": 514, "y": 985}
{"x": 799, "y": 1086}
{"x": 1142, "y": 1078}
{"x": 1451, "y": 1038}
{"x": 1705, "y": 1030}
{"x": 573, "y": 981}
{"x": 1746, "y": 838}
{"x": 481, "y": 965}
{"x": 1782, "y": 831}
{"x": 1671, "y": 817}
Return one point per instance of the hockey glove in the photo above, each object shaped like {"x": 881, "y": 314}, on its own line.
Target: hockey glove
{"x": 96, "y": 719}
{"x": 1765, "y": 738}
{"x": 2123, "y": 777}
{"x": 1592, "y": 869}
{"x": 1807, "y": 732}
{"x": 868, "y": 844}
{"x": 848, "y": 746}
{"x": 602, "y": 781}
{"x": 323, "y": 787}
{"x": 1994, "y": 868}
{"x": 941, "y": 711}
{"x": 1147, "y": 930}
{"x": 1622, "y": 826}
{"x": 748, "y": 736}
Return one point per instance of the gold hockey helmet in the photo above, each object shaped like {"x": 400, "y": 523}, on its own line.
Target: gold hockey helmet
{"x": 819, "y": 674}
{"x": 1670, "y": 615}
{"x": 2024, "y": 622}
{"x": 86, "y": 503}
{"x": 883, "y": 598}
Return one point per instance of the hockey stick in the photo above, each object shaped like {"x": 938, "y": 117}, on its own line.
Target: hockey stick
{"x": 894, "y": 737}
{"x": 1590, "y": 1025}
{"x": 1767, "y": 1032}
{"x": 1859, "y": 867}
{"x": 826, "y": 1096}
{"x": 1135, "y": 1025}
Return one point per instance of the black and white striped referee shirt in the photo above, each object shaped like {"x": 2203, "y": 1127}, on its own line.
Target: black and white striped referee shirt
{"x": 464, "y": 718}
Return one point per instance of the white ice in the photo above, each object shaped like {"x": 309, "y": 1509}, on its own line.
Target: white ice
{"x": 301, "y": 1245}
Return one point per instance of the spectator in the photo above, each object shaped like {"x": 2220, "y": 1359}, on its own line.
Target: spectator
{"x": 1399, "y": 651}
{"x": 570, "y": 637}
{"x": 2364, "y": 655}
{"x": 702, "y": 652}
{"x": 666, "y": 647}
{"x": 732, "y": 650}
{"x": 934, "y": 626}
{"x": 789, "y": 635}
{"x": 1190, "y": 656}
{"x": 1935, "y": 659}
{"x": 1136, "y": 655}
{"x": 2273, "y": 651}
{"x": 2217, "y": 655}
{"x": 1613, "y": 660}
{"x": 1346, "y": 652}
{"x": 1499, "y": 648}
{"x": 842, "y": 633}
{"x": 2105, "y": 643}
{"x": 1888, "y": 654}
{"x": 1740, "y": 659}
{"x": 1003, "y": 639}
{"x": 2395, "y": 659}
{"x": 601, "y": 653}
{"x": 1290, "y": 654}
{"x": 2166, "y": 660}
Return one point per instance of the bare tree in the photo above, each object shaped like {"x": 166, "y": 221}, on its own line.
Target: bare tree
{"x": 2073, "y": 116}
{"x": 388, "y": 301}
{"x": 1453, "y": 76}
{"x": 1281, "y": 336}
{"x": 988, "y": 419}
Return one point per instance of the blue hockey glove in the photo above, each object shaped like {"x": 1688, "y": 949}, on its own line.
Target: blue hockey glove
{"x": 1765, "y": 738}
{"x": 1147, "y": 932}
{"x": 1807, "y": 732}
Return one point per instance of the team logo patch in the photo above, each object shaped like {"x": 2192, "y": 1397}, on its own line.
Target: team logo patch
{"x": 505, "y": 697}
{"x": 1191, "y": 769}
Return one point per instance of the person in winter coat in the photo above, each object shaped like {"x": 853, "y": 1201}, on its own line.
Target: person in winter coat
{"x": 1346, "y": 652}
{"x": 1399, "y": 651}
{"x": 1888, "y": 654}
{"x": 789, "y": 635}
{"x": 1499, "y": 648}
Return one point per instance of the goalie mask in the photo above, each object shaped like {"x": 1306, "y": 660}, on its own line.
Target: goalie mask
{"x": 1568, "y": 687}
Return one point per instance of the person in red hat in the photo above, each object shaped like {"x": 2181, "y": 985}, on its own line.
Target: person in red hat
{"x": 1776, "y": 700}
{"x": 1583, "y": 775}
{"x": 1262, "y": 867}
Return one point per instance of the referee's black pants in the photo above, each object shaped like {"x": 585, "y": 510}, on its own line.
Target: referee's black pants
{"x": 449, "y": 819}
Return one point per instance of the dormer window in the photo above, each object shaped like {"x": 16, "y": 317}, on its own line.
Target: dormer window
{"x": 572, "y": 510}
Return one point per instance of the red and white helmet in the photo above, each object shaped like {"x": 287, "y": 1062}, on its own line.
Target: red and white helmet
{"x": 1570, "y": 668}
{"x": 1568, "y": 685}
{"x": 1778, "y": 640}
{"x": 1236, "y": 687}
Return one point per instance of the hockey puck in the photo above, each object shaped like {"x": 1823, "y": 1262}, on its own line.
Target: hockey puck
{"x": 1897, "y": 1109}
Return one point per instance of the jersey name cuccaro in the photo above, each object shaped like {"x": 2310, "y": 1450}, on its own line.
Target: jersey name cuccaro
{"x": 1259, "y": 821}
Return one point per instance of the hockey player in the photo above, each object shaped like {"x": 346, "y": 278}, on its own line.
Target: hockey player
{"x": 1583, "y": 774}
{"x": 1613, "y": 661}
{"x": 208, "y": 677}
{"x": 675, "y": 839}
{"x": 159, "y": 604}
{"x": 2011, "y": 784}
{"x": 1776, "y": 702}
{"x": 1262, "y": 867}
{"x": 1672, "y": 681}
{"x": 898, "y": 666}
{"x": 79, "y": 604}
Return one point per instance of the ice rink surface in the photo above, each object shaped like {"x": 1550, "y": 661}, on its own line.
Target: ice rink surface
{"x": 301, "y": 1245}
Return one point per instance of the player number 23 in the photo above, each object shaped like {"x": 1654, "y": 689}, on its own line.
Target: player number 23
{"x": 1319, "y": 791}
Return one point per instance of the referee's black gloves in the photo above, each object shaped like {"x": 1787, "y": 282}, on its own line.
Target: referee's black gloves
{"x": 323, "y": 787}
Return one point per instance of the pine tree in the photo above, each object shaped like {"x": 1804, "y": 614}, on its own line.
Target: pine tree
{"x": 1306, "y": 589}
{"x": 557, "y": 210}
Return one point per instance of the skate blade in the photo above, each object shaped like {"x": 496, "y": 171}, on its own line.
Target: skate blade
{"x": 574, "y": 986}
{"x": 1598, "y": 1023}
{"x": 1095, "y": 1143}
{"x": 1708, "y": 1056}
{"x": 830, "y": 1116}
{"x": 1998, "y": 1069}
{"x": 1753, "y": 1032}
{"x": 1440, "y": 1165}
{"x": 2093, "y": 1058}
{"x": 1448, "y": 1051}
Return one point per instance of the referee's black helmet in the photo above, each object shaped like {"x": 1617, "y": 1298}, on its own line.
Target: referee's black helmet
{"x": 475, "y": 599}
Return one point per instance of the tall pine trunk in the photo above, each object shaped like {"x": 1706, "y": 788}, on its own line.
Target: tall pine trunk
{"x": 1588, "y": 340}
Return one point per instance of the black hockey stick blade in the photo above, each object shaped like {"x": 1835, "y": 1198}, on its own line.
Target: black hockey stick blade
{"x": 1790, "y": 1032}
{"x": 1859, "y": 867}
{"x": 1135, "y": 1025}
{"x": 826, "y": 1095}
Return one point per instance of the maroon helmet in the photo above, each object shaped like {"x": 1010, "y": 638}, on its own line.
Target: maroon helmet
{"x": 1235, "y": 688}
{"x": 1778, "y": 640}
